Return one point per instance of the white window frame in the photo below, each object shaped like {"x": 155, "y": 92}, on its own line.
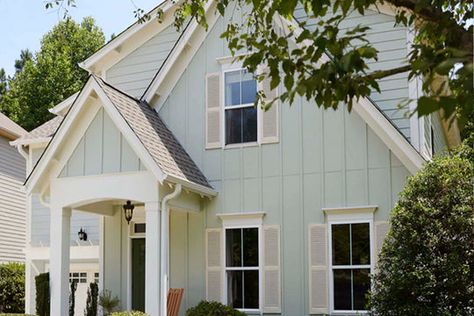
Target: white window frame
{"x": 349, "y": 215}
{"x": 238, "y": 221}
{"x": 226, "y": 68}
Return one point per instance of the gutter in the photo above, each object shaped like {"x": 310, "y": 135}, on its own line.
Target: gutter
{"x": 164, "y": 257}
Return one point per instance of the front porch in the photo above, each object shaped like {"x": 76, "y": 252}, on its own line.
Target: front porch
{"x": 134, "y": 258}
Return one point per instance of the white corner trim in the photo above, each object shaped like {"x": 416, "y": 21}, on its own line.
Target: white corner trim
{"x": 241, "y": 219}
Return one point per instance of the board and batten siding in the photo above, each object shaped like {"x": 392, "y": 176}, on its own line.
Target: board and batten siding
{"x": 102, "y": 149}
{"x": 13, "y": 201}
{"x": 134, "y": 72}
{"x": 323, "y": 159}
{"x": 391, "y": 42}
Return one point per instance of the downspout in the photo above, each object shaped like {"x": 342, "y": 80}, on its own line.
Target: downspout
{"x": 22, "y": 151}
{"x": 164, "y": 257}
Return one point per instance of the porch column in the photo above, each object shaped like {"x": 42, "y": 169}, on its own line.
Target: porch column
{"x": 59, "y": 260}
{"x": 152, "y": 258}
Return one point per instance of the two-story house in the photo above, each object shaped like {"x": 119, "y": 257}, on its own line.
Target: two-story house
{"x": 179, "y": 181}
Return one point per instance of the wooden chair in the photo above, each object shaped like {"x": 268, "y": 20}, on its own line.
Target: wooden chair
{"x": 175, "y": 297}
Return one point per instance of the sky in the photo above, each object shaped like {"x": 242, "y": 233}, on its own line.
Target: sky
{"x": 24, "y": 22}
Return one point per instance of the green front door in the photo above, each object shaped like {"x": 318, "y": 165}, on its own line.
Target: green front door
{"x": 138, "y": 274}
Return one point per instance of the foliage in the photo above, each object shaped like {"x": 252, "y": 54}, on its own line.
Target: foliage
{"x": 53, "y": 74}
{"x": 91, "y": 302}
{"x": 25, "y": 56}
{"x": 131, "y": 313}
{"x": 72, "y": 297}
{"x": 12, "y": 288}
{"x": 108, "y": 302}
{"x": 205, "y": 308}
{"x": 42, "y": 294}
{"x": 426, "y": 266}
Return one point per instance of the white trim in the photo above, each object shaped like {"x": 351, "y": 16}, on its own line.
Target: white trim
{"x": 62, "y": 107}
{"x": 238, "y": 220}
{"x": 371, "y": 266}
{"x": 186, "y": 48}
{"x": 355, "y": 212}
{"x": 78, "y": 253}
{"x": 31, "y": 141}
{"x": 230, "y": 59}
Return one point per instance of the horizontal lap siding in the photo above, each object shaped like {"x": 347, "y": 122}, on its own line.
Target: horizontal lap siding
{"x": 324, "y": 159}
{"x": 391, "y": 42}
{"x": 12, "y": 199}
{"x": 135, "y": 72}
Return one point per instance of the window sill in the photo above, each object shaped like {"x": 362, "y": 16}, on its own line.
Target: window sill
{"x": 241, "y": 145}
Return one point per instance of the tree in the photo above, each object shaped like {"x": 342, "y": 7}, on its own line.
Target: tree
{"x": 3, "y": 83}
{"x": 426, "y": 266}
{"x": 25, "y": 56}
{"x": 53, "y": 74}
{"x": 12, "y": 288}
{"x": 442, "y": 54}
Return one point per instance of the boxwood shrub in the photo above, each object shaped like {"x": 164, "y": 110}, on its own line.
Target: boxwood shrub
{"x": 205, "y": 308}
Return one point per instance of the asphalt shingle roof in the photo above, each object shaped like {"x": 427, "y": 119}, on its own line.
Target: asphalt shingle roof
{"x": 160, "y": 142}
{"x": 11, "y": 127}
{"x": 43, "y": 131}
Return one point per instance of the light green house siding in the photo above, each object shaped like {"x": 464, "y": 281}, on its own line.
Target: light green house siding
{"x": 391, "y": 42}
{"x": 134, "y": 72}
{"x": 323, "y": 159}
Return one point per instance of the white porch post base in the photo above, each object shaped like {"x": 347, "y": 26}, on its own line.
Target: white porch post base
{"x": 59, "y": 260}
{"x": 152, "y": 259}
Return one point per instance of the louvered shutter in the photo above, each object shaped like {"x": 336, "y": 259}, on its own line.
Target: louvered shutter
{"x": 318, "y": 274}
{"x": 271, "y": 270}
{"x": 214, "y": 269}
{"x": 213, "y": 110}
{"x": 381, "y": 230}
{"x": 269, "y": 119}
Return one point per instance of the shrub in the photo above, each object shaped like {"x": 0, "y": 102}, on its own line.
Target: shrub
{"x": 108, "y": 302}
{"x": 91, "y": 302}
{"x": 42, "y": 294}
{"x": 130, "y": 313}
{"x": 12, "y": 288}
{"x": 426, "y": 266}
{"x": 72, "y": 298}
{"x": 205, "y": 308}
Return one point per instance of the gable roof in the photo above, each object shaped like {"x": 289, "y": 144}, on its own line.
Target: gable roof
{"x": 165, "y": 149}
{"x": 144, "y": 130}
{"x": 10, "y": 129}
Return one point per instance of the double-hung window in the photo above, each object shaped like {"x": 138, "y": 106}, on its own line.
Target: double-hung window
{"x": 240, "y": 114}
{"x": 350, "y": 265}
{"x": 242, "y": 268}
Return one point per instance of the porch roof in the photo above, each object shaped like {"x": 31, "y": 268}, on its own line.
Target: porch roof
{"x": 43, "y": 132}
{"x": 158, "y": 140}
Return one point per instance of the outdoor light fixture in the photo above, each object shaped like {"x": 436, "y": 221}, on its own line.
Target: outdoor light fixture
{"x": 128, "y": 211}
{"x": 82, "y": 235}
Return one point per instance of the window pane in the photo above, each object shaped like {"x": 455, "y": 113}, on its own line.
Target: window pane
{"x": 233, "y": 126}
{"x": 232, "y": 88}
{"x": 233, "y": 240}
{"x": 251, "y": 289}
{"x": 250, "y": 247}
{"x": 234, "y": 289}
{"x": 342, "y": 289}
{"x": 361, "y": 288}
{"x": 249, "y": 88}
{"x": 360, "y": 244}
{"x": 249, "y": 124}
{"x": 340, "y": 244}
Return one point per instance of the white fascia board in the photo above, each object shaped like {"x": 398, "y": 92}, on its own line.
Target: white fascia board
{"x": 63, "y": 107}
{"x": 116, "y": 44}
{"x": 48, "y": 155}
{"x": 182, "y": 46}
{"x": 31, "y": 141}
{"x": 192, "y": 187}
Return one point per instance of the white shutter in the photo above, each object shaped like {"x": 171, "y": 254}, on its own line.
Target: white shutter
{"x": 381, "y": 230}
{"x": 318, "y": 269}
{"x": 271, "y": 270}
{"x": 214, "y": 271}
{"x": 213, "y": 110}
{"x": 269, "y": 119}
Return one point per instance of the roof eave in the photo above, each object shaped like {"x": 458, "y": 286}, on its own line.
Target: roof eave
{"x": 192, "y": 186}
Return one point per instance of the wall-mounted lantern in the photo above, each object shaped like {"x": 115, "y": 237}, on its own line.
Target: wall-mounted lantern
{"x": 128, "y": 211}
{"x": 82, "y": 235}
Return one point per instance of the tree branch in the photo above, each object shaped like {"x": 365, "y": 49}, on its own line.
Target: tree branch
{"x": 379, "y": 74}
